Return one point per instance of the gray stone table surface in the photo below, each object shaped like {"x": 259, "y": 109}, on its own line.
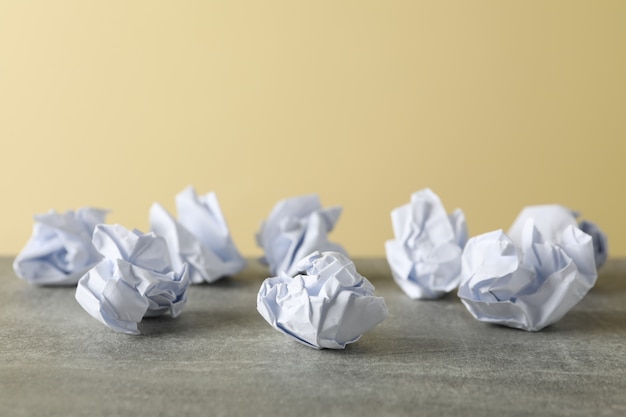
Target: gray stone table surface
{"x": 221, "y": 358}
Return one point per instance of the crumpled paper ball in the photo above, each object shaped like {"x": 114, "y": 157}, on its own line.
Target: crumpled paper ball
{"x": 60, "y": 251}
{"x": 425, "y": 256}
{"x": 134, "y": 280}
{"x": 200, "y": 237}
{"x": 552, "y": 219}
{"x": 327, "y": 305}
{"x": 295, "y": 228}
{"x": 529, "y": 285}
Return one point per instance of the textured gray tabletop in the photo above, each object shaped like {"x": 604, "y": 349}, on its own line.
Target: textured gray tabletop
{"x": 220, "y": 358}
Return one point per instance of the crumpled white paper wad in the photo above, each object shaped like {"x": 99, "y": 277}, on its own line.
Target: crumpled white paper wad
{"x": 425, "y": 255}
{"x": 327, "y": 305}
{"x": 295, "y": 228}
{"x": 200, "y": 237}
{"x": 134, "y": 280}
{"x": 529, "y": 286}
{"x": 552, "y": 219}
{"x": 60, "y": 251}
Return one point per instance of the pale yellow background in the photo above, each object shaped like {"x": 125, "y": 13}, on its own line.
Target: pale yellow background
{"x": 493, "y": 104}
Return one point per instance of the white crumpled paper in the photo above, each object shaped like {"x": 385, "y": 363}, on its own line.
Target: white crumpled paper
{"x": 425, "y": 256}
{"x": 529, "y": 285}
{"x": 60, "y": 251}
{"x": 552, "y": 219}
{"x": 134, "y": 280}
{"x": 295, "y": 228}
{"x": 327, "y": 305}
{"x": 200, "y": 237}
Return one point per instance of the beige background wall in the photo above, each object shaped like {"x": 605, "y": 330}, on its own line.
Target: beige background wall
{"x": 492, "y": 104}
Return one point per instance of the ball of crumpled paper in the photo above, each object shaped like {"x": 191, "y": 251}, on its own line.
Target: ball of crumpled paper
{"x": 134, "y": 280}
{"x": 425, "y": 256}
{"x": 552, "y": 219}
{"x": 327, "y": 305}
{"x": 60, "y": 251}
{"x": 295, "y": 228}
{"x": 528, "y": 285}
{"x": 200, "y": 237}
